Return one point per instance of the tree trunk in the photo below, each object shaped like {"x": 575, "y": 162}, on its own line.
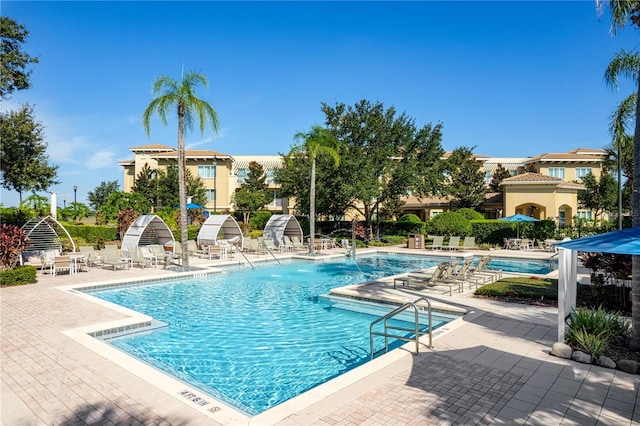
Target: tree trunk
{"x": 182, "y": 187}
{"x": 312, "y": 208}
{"x": 635, "y": 209}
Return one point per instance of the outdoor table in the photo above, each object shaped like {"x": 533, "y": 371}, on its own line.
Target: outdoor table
{"x": 513, "y": 243}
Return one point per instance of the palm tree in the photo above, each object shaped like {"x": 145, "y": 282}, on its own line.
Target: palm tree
{"x": 181, "y": 98}
{"x": 626, "y": 64}
{"x": 621, "y": 141}
{"x": 318, "y": 141}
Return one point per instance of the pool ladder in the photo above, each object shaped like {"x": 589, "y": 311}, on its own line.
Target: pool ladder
{"x": 389, "y": 329}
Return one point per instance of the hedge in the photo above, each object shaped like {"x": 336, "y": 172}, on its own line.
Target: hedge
{"x": 18, "y": 276}
{"x": 495, "y": 231}
{"x": 92, "y": 233}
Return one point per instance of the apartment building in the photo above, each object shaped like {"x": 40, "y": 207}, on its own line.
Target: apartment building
{"x": 544, "y": 186}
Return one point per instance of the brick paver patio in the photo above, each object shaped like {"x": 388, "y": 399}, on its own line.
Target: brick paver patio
{"x": 493, "y": 368}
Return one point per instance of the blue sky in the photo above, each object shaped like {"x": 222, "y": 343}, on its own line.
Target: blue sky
{"x": 510, "y": 78}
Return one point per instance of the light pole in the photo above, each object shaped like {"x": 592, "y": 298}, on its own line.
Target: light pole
{"x": 215, "y": 179}
{"x": 75, "y": 200}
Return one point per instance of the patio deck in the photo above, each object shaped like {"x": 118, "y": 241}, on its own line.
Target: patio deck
{"x": 491, "y": 367}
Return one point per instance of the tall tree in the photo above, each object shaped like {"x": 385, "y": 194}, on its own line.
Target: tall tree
{"x": 599, "y": 195}
{"x": 13, "y": 61}
{"x": 317, "y": 141}
{"x": 467, "y": 186}
{"x": 168, "y": 187}
{"x": 25, "y": 163}
{"x": 254, "y": 192}
{"x": 180, "y": 97}
{"x": 101, "y": 193}
{"x": 628, "y": 65}
{"x": 146, "y": 184}
{"x": 499, "y": 174}
{"x": 384, "y": 156}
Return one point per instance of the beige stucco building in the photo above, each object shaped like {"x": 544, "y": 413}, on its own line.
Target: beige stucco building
{"x": 544, "y": 186}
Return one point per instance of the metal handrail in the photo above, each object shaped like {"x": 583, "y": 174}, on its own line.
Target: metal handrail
{"x": 247, "y": 259}
{"x": 417, "y": 332}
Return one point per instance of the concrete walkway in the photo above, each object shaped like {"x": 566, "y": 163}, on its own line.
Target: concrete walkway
{"x": 491, "y": 367}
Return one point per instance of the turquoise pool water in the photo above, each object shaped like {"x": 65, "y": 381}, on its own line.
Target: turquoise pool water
{"x": 257, "y": 337}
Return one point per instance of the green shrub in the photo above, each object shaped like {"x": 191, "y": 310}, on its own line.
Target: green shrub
{"x": 470, "y": 214}
{"x": 410, "y": 217}
{"x": 192, "y": 233}
{"x": 593, "y": 344}
{"x": 403, "y": 228}
{"x": 596, "y": 322}
{"x": 449, "y": 223}
{"x": 18, "y": 276}
{"x": 259, "y": 219}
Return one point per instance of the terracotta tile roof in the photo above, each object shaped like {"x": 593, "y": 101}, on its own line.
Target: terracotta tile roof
{"x": 576, "y": 155}
{"x": 151, "y": 147}
{"x": 431, "y": 201}
{"x": 531, "y": 177}
{"x": 192, "y": 153}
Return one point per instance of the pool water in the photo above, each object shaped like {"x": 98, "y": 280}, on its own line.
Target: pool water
{"x": 257, "y": 337}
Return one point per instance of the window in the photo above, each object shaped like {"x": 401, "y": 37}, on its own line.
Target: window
{"x": 206, "y": 172}
{"x": 561, "y": 218}
{"x": 210, "y": 194}
{"x": 584, "y": 214}
{"x": 582, "y": 172}
{"x": 556, "y": 172}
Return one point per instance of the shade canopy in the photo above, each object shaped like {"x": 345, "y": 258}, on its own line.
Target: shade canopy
{"x": 220, "y": 227}
{"x": 147, "y": 229}
{"x": 519, "y": 218}
{"x": 624, "y": 241}
{"x": 280, "y": 225}
{"x": 47, "y": 234}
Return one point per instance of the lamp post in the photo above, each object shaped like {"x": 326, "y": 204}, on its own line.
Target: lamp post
{"x": 64, "y": 202}
{"x": 75, "y": 200}
{"x": 215, "y": 189}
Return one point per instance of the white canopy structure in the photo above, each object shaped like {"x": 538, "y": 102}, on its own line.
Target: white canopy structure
{"x": 47, "y": 234}
{"x": 280, "y": 225}
{"x": 220, "y": 225}
{"x": 148, "y": 229}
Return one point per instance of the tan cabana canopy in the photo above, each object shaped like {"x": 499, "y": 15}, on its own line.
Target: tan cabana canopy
{"x": 280, "y": 225}
{"x": 147, "y": 229}
{"x": 46, "y": 234}
{"x": 220, "y": 225}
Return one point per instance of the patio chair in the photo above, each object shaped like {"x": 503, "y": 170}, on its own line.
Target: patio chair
{"x": 193, "y": 250}
{"x": 481, "y": 269}
{"x": 158, "y": 252}
{"x": 268, "y": 245}
{"x": 438, "y": 243}
{"x": 295, "y": 243}
{"x": 464, "y": 275}
{"x": 469, "y": 243}
{"x": 115, "y": 260}
{"x": 454, "y": 243}
{"x": 136, "y": 256}
{"x": 60, "y": 264}
{"x": 439, "y": 278}
{"x": 91, "y": 255}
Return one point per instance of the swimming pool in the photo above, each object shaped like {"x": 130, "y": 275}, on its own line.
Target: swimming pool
{"x": 257, "y": 337}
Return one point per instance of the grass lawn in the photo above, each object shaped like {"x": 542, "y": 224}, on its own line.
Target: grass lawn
{"x": 522, "y": 290}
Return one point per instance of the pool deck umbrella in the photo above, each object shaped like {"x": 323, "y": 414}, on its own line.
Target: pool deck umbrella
{"x": 148, "y": 229}
{"x": 518, "y": 218}
{"x": 191, "y": 206}
{"x": 280, "y": 225}
{"x": 624, "y": 241}
{"x": 217, "y": 224}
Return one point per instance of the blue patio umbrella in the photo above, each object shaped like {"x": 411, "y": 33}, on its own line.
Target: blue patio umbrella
{"x": 624, "y": 241}
{"x": 191, "y": 206}
{"x": 518, "y": 218}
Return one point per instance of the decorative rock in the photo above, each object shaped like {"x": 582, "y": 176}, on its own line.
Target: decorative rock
{"x": 606, "y": 362}
{"x": 561, "y": 350}
{"x": 629, "y": 366}
{"x": 582, "y": 357}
